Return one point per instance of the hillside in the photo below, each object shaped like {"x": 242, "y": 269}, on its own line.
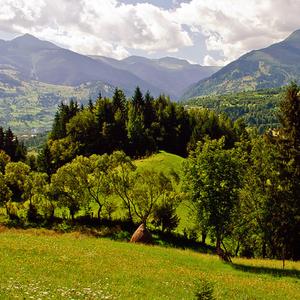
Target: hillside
{"x": 271, "y": 67}
{"x": 162, "y": 162}
{"x": 28, "y": 107}
{"x": 45, "y": 62}
{"x": 257, "y": 108}
{"x": 46, "y": 265}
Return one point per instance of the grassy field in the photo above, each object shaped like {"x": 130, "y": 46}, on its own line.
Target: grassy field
{"x": 39, "y": 264}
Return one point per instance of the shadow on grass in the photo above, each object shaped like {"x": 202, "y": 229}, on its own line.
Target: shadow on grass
{"x": 269, "y": 271}
{"x": 119, "y": 230}
{"x": 175, "y": 240}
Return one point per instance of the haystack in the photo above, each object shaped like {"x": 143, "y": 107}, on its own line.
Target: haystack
{"x": 141, "y": 235}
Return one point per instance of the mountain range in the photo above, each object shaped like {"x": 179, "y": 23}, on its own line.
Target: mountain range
{"x": 274, "y": 66}
{"x": 42, "y": 61}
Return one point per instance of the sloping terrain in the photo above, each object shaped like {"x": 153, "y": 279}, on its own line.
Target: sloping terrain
{"x": 42, "y": 264}
{"x": 45, "y": 62}
{"x": 270, "y": 67}
{"x": 28, "y": 107}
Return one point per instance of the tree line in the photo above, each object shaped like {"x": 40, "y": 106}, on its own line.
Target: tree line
{"x": 138, "y": 126}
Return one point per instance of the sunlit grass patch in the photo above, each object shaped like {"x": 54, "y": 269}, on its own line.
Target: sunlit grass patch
{"x": 73, "y": 266}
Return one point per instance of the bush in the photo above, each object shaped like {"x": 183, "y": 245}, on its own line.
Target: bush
{"x": 164, "y": 215}
{"x": 64, "y": 227}
{"x": 204, "y": 290}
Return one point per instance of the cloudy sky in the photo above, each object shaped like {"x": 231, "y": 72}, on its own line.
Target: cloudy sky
{"x": 209, "y": 32}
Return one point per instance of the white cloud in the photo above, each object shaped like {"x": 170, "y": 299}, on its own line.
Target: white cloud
{"x": 211, "y": 61}
{"x": 235, "y": 27}
{"x": 105, "y": 27}
{"x": 112, "y": 28}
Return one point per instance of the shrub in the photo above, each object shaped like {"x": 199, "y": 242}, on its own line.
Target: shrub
{"x": 204, "y": 290}
{"x": 164, "y": 215}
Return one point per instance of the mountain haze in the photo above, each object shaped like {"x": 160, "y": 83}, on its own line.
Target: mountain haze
{"x": 171, "y": 75}
{"x": 270, "y": 67}
{"x": 45, "y": 62}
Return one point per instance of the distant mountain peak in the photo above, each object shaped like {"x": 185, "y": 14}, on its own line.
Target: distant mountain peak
{"x": 170, "y": 59}
{"x": 29, "y": 41}
{"x": 28, "y": 36}
{"x": 294, "y": 37}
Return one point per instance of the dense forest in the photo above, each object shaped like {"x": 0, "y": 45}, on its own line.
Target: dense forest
{"x": 138, "y": 127}
{"x": 242, "y": 188}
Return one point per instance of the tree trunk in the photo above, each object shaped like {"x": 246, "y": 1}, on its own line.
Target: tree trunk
{"x": 283, "y": 256}
{"x": 129, "y": 213}
{"x": 99, "y": 212}
{"x": 264, "y": 249}
{"x": 237, "y": 249}
{"x": 222, "y": 254}
{"x": 203, "y": 237}
{"x": 218, "y": 245}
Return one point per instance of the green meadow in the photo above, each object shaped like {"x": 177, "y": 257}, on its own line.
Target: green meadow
{"x": 40, "y": 264}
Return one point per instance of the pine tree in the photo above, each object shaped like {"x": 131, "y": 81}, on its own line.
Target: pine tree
{"x": 1, "y": 139}
{"x": 119, "y": 102}
{"x": 138, "y": 101}
{"x": 149, "y": 112}
{"x": 9, "y": 143}
{"x": 288, "y": 142}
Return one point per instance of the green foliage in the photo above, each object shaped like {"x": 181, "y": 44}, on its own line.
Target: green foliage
{"x": 204, "y": 290}
{"x": 148, "y": 189}
{"x": 121, "y": 178}
{"x": 242, "y": 188}
{"x": 62, "y": 117}
{"x": 5, "y": 192}
{"x": 4, "y": 160}
{"x": 66, "y": 185}
{"x": 138, "y": 127}
{"x": 212, "y": 179}
{"x": 10, "y": 144}
{"x": 164, "y": 214}
{"x": 258, "y": 109}
{"x": 16, "y": 174}
{"x": 269, "y": 204}
{"x": 35, "y": 189}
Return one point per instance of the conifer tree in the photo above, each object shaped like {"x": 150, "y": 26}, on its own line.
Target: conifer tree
{"x": 1, "y": 139}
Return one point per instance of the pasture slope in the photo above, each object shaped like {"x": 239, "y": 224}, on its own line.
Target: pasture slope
{"x": 161, "y": 162}
{"x": 40, "y": 264}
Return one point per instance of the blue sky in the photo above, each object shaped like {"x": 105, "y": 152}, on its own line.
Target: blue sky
{"x": 160, "y": 3}
{"x": 209, "y": 32}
